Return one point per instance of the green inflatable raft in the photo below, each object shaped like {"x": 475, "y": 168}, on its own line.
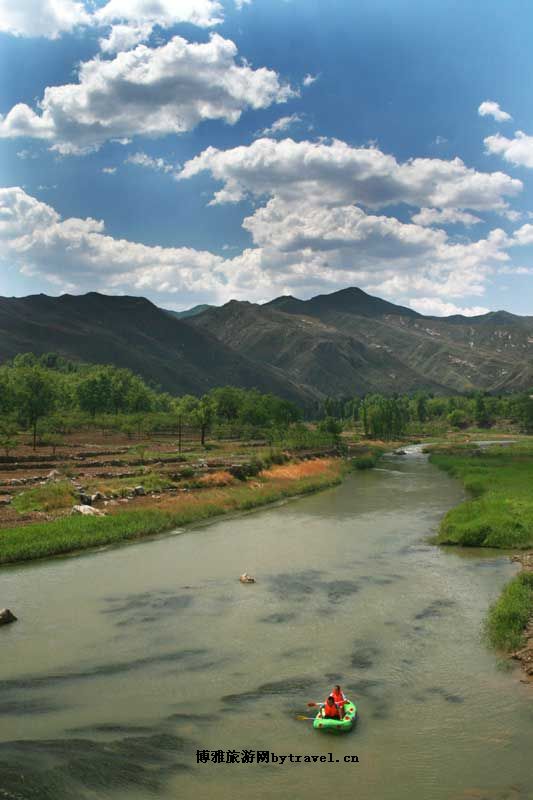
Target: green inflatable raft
{"x": 344, "y": 724}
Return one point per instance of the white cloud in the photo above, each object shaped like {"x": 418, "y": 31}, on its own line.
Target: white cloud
{"x": 344, "y": 245}
{"x": 125, "y": 37}
{"x": 147, "y": 91}
{"x": 434, "y": 307}
{"x": 310, "y": 79}
{"x": 491, "y": 109}
{"x": 334, "y": 173}
{"x": 296, "y": 250}
{"x": 523, "y": 236}
{"x": 144, "y": 160}
{"x": 239, "y": 4}
{"x": 77, "y": 254}
{"x": 165, "y": 13}
{"x": 281, "y": 125}
{"x": 440, "y": 140}
{"x": 518, "y": 151}
{"x": 109, "y": 170}
{"x": 446, "y": 216}
{"x": 26, "y": 154}
{"x": 48, "y": 18}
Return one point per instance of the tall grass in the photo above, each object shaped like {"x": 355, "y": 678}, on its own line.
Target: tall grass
{"x": 500, "y": 510}
{"x": 510, "y": 614}
{"x": 51, "y": 497}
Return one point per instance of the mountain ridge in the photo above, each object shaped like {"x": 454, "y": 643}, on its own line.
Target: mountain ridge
{"x": 344, "y": 343}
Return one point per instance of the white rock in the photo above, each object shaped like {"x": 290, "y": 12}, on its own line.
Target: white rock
{"x": 87, "y": 511}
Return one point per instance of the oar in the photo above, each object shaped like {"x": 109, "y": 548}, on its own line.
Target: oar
{"x": 300, "y": 716}
{"x": 313, "y": 705}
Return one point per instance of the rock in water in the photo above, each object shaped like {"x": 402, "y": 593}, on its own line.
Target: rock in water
{"x": 6, "y": 616}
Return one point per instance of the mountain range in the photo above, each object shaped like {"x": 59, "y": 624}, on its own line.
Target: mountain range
{"x": 343, "y": 343}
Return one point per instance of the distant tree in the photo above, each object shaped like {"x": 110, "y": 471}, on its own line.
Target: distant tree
{"x": 8, "y": 434}
{"x": 35, "y": 396}
{"x": 457, "y": 418}
{"x": 421, "y": 406}
{"x": 94, "y": 391}
{"x": 526, "y": 413}
{"x": 203, "y": 416}
{"x": 51, "y": 432}
{"x": 331, "y": 426}
{"x": 481, "y": 414}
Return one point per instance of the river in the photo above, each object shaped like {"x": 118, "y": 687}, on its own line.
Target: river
{"x": 127, "y": 661}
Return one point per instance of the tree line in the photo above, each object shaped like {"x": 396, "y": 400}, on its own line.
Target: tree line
{"x": 50, "y": 396}
{"x": 392, "y": 416}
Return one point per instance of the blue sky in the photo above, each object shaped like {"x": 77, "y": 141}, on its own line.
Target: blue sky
{"x": 197, "y": 151}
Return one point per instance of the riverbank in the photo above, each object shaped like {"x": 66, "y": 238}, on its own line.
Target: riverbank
{"x": 498, "y": 514}
{"x": 220, "y": 494}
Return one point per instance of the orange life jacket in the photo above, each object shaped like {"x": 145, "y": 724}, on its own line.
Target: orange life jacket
{"x": 331, "y": 712}
{"x": 338, "y": 697}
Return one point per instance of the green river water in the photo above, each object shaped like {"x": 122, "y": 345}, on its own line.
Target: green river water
{"x": 127, "y": 661}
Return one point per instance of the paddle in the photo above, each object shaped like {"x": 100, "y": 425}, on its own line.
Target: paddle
{"x": 300, "y": 716}
{"x": 314, "y": 705}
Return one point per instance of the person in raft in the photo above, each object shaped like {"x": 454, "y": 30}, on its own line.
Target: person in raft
{"x": 330, "y": 710}
{"x": 339, "y": 698}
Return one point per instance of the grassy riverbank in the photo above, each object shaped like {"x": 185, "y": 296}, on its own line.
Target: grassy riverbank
{"x": 498, "y": 514}
{"x": 72, "y": 533}
{"x": 510, "y": 614}
{"x": 500, "y": 510}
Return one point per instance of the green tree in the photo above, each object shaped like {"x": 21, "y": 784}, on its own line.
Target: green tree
{"x": 35, "y": 396}
{"x": 481, "y": 414}
{"x": 331, "y": 426}
{"x": 203, "y": 416}
{"x": 8, "y": 434}
{"x": 94, "y": 391}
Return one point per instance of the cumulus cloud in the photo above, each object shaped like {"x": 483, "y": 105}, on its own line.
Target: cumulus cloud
{"x": 124, "y": 37}
{"x": 334, "y": 173}
{"x": 444, "y": 216}
{"x": 165, "y": 13}
{"x": 281, "y": 125}
{"x": 431, "y": 306}
{"x": 524, "y": 235}
{"x": 491, "y": 109}
{"x": 147, "y": 91}
{"x": 305, "y": 250}
{"x": 517, "y": 151}
{"x": 144, "y": 160}
{"x": 77, "y": 254}
{"x": 52, "y": 18}
{"x": 47, "y": 18}
{"x": 346, "y": 245}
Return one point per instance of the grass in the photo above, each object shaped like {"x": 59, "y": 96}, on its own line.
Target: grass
{"x": 510, "y": 614}
{"x": 51, "y": 497}
{"x": 73, "y": 533}
{"x": 500, "y": 510}
{"x": 152, "y": 482}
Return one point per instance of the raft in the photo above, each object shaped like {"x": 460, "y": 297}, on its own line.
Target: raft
{"x": 344, "y": 724}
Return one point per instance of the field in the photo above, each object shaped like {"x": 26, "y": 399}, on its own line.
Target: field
{"x": 140, "y": 489}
